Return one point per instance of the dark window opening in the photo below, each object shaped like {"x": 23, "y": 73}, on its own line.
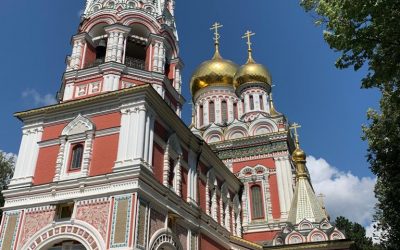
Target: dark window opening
{"x": 201, "y": 114}
{"x": 211, "y": 110}
{"x": 101, "y": 51}
{"x": 77, "y": 155}
{"x": 64, "y": 211}
{"x": 235, "y": 110}
{"x": 261, "y": 102}
{"x": 171, "y": 172}
{"x": 251, "y": 102}
{"x": 167, "y": 68}
{"x": 257, "y": 203}
{"x": 135, "y": 56}
{"x": 224, "y": 111}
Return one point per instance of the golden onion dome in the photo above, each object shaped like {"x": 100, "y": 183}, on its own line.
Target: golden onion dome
{"x": 252, "y": 72}
{"x": 299, "y": 155}
{"x": 214, "y": 72}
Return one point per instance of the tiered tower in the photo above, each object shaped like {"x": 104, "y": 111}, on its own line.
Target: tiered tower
{"x": 113, "y": 166}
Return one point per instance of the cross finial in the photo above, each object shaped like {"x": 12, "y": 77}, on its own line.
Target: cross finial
{"x": 248, "y": 35}
{"x": 295, "y": 126}
{"x": 215, "y": 27}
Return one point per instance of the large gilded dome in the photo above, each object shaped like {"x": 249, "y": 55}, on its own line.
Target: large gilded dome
{"x": 252, "y": 72}
{"x": 214, "y": 72}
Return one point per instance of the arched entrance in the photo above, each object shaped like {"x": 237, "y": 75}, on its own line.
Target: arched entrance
{"x": 65, "y": 245}
{"x": 166, "y": 246}
{"x": 66, "y": 236}
{"x": 164, "y": 239}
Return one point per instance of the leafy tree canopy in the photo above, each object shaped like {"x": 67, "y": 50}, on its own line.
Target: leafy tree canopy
{"x": 6, "y": 171}
{"x": 366, "y": 33}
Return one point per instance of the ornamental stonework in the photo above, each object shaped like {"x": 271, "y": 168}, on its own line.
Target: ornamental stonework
{"x": 34, "y": 221}
{"x": 96, "y": 214}
{"x": 157, "y": 221}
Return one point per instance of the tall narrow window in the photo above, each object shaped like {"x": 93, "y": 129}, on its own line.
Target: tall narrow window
{"x": 243, "y": 107}
{"x": 211, "y": 110}
{"x": 171, "y": 172}
{"x": 235, "y": 110}
{"x": 261, "y": 102}
{"x": 257, "y": 203}
{"x": 76, "y": 159}
{"x": 201, "y": 115}
{"x": 224, "y": 111}
{"x": 251, "y": 102}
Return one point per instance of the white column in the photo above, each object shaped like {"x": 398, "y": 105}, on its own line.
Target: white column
{"x": 147, "y": 139}
{"x": 156, "y": 56}
{"x": 115, "y": 82}
{"x": 110, "y": 45}
{"x": 151, "y": 140}
{"x": 246, "y": 103}
{"x": 68, "y": 92}
{"x": 178, "y": 176}
{"x": 123, "y": 135}
{"x": 192, "y": 184}
{"x": 60, "y": 158}
{"x": 265, "y": 100}
{"x": 284, "y": 201}
{"x": 87, "y": 154}
{"x": 141, "y": 131}
{"x": 166, "y": 167}
{"x": 197, "y": 115}
{"x": 120, "y": 48}
{"x": 27, "y": 157}
{"x": 257, "y": 104}
{"x": 230, "y": 110}
{"x": 218, "y": 110}
{"x": 205, "y": 113}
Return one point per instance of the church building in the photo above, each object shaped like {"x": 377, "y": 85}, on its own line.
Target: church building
{"x": 112, "y": 165}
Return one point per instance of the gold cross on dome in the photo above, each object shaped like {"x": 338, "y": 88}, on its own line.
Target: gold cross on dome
{"x": 215, "y": 27}
{"x": 248, "y": 35}
{"x": 295, "y": 126}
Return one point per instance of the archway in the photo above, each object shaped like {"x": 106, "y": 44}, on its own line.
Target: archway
{"x": 80, "y": 234}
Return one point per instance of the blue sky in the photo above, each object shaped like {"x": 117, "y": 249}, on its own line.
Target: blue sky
{"x": 327, "y": 102}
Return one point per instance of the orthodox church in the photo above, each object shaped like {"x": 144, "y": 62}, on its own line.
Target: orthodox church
{"x": 113, "y": 166}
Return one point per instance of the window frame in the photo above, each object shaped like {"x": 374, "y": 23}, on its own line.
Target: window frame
{"x": 262, "y": 216}
{"x": 71, "y": 157}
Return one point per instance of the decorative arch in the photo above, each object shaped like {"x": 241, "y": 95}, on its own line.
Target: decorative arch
{"x": 80, "y": 231}
{"x": 336, "y": 235}
{"x": 104, "y": 18}
{"x": 213, "y": 135}
{"x": 262, "y": 126}
{"x": 79, "y": 125}
{"x": 173, "y": 155}
{"x": 295, "y": 238}
{"x": 164, "y": 237}
{"x": 317, "y": 235}
{"x": 148, "y": 21}
{"x": 305, "y": 224}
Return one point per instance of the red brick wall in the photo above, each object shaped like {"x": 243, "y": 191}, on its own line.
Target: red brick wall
{"x": 104, "y": 154}
{"x": 184, "y": 184}
{"x": 273, "y": 184}
{"x": 208, "y": 244}
{"x": 158, "y": 162}
{"x": 202, "y": 194}
{"x": 46, "y": 165}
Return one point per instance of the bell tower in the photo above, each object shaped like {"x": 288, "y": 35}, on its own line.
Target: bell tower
{"x": 125, "y": 43}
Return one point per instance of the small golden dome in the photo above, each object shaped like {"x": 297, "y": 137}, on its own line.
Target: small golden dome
{"x": 252, "y": 72}
{"x": 298, "y": 155}
{"x": 214, "y": 72}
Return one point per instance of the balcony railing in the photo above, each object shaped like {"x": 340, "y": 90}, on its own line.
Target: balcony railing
{"x": 129, "y": 62}
{"x": 97, "y": 62}
{"x": 134, "y": 63}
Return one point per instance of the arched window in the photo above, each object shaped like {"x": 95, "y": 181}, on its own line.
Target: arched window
{"x": 235, "y": 110}
{"x": 211, "y": 110}
{"x": 171, "y": 176}
{"x": 257, "y": 203}
{"x": 201, "y": 115}
{"x": 251, "y": 102}
{"x": 76, "y": 159}
{"x": 261, "y": 102}
{"x": 224, "y": 111}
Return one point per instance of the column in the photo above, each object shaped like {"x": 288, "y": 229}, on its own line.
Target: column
{"x": 27, "y": 156}
{"x": 218, "y": 110}
{"x": 60, "y": 158}
{"x": 230, "y": 110}
{"x": 265, "y": 100}
{"x": 116, "y": 41}
{"x": 151, "y": 144}
{"x": 141, "y": 132}
{"x": 178, "y": 176}
{"x": 257, "y": 104}
{"x": 87, "y": 154}
{"x": 284, "y": 201}
{"x": 166, "y": 167}
{"x": 246, "y": 103}
{"x": 205, "y": 113}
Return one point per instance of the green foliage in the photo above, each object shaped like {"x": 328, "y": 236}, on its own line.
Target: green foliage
{"x": 356, "y": 233}
{"x": 366, "y": 33}
{"x": 6, "y": 172}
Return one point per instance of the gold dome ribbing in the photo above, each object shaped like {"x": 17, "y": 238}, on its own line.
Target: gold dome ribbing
{"x": 214, "y": 72}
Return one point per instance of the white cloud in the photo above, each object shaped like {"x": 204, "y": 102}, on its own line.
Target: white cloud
{"x": 345, "y": 194}
{"x": 371, "y": 232}
{"x": 38, "y": 99}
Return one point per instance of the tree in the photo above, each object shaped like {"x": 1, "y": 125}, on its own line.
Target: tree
{"x": 6, "y": 171}
{"x": 366, "y": 34}
{"x": 356, "y": 233}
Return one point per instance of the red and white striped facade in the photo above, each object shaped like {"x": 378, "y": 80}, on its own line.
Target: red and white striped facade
{"x": 113, "y": 166}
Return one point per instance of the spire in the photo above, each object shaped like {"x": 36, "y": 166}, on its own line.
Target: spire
{"x": 248, "y": 36}
{"x": 305, "y": 204}
{"x": 272, "y": 109}
{"x": 217, "y": 36}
